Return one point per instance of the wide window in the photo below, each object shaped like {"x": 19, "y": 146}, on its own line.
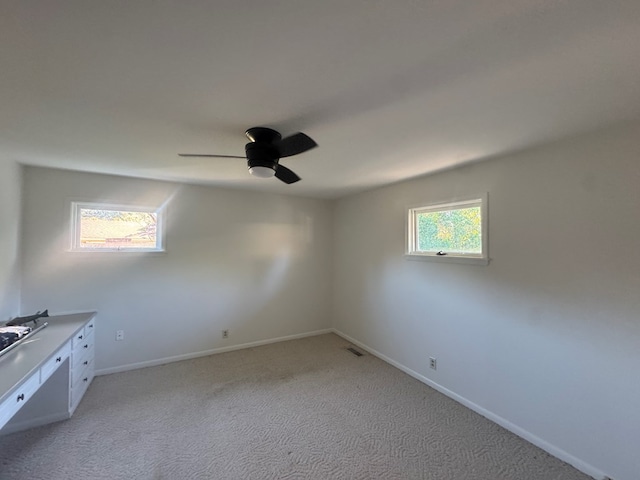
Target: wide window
{"x": 453, "y": 231}
{"x": 97, "y": 227}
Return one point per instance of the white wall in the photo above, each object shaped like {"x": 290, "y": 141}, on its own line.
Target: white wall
{"x": 10, "y": 191}
{"x": 545, "y": 339}
{"x": 254, "y": 263}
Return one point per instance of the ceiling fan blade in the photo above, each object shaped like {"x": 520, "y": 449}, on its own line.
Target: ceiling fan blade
{"x": 294, "y": 144}
{"x": 286, "y": 175}
{"x": 208, "y": 156}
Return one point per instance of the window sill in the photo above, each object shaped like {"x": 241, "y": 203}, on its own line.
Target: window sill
{"x": 115, "y": 250}
{"x": 447, "y": 258}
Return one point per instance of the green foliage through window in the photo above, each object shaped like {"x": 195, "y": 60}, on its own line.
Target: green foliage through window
{"x": 453, "y": 229}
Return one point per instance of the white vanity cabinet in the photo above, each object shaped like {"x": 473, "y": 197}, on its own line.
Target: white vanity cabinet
{"x": 44, "y": 379}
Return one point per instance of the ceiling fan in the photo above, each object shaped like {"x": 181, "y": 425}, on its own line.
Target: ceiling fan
{"x": 265, "y": 148}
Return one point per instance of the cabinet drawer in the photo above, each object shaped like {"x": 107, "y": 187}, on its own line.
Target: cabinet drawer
{"x": 79, "y": 374}
{"x": 79, "y": 338}
{"x": 81, "y": 362}
{"x": 82, "y": 350}
{"x": 54, "y": 362}
{"x": 81, "y": 383}
{"x": 84, "y": 333}
{"x": 90, "y": 327}
{"x": 81, "y": 346}
{"x": 18, "y": 398}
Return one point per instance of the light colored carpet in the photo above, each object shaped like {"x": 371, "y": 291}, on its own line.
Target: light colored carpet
{"x": 303, "y": 409}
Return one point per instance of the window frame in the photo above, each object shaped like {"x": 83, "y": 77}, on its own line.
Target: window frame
{"x": 77, "y": 206}
{"x": 482, "y": 258}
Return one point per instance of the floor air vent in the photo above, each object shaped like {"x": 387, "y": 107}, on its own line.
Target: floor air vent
{"x": 355, "y": 352}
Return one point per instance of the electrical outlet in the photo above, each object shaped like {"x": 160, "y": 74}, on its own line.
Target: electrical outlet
{"x": 119, "y": 335}
{"x": 433, "y": 363}
{"x": 225, "y": 333}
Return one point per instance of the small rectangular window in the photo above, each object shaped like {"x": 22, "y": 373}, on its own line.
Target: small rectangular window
{"x": 97, "y": 227}
{"x": 454, "y": 231}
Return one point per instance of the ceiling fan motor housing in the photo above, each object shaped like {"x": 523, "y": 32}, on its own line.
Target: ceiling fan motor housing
{"x": 263, "y": 135}
{"x": 260, "y": 154}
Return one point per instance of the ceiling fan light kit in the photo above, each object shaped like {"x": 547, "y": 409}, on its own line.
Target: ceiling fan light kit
{"x": 262, "y": 172}
{"x": 265, "y": 149}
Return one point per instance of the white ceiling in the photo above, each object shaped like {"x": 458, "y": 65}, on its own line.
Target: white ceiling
{"x": 388, "y": 89}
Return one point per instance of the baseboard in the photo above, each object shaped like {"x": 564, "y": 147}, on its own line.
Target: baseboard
{"x": 206, "y": 353}
{"x": 581, "y": 465}
{"x": 34, "y": 422}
